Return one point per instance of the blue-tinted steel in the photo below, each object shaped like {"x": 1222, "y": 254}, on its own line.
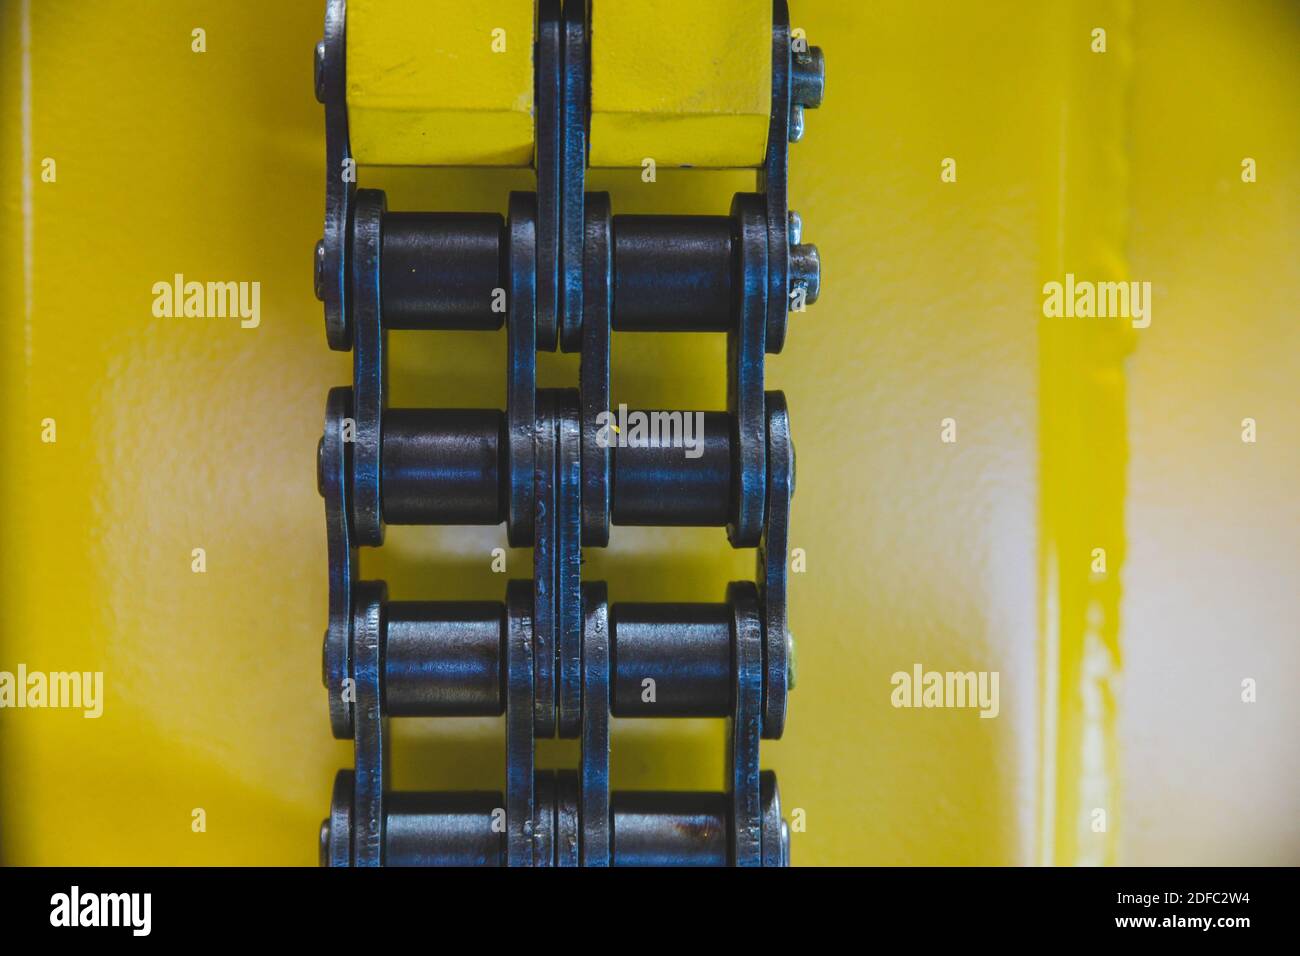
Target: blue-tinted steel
{"x": 745, "y": 360}
{"x": 548, "y": 58}
{"x": 369, "y": 366}
{"x": 336, "y": 833}
{"x": 441, "y": 270}
{"x": 443, "y": 466}
{"x": 656, "y": 486}
{"x": 597, "y": 263}
{"x": 773, "y": 555}
{"x": 333, "y": 472}
{"x": 520, "y": 800}
{"x": 521, "y": 371}
{"x": 546, "y": 820}
{"x": 594, "y": 774}
{"x": 573, "y": 153}
{"x": 684, "y": 648}
{"x": 553, "y": 657}
{"x": 568, "y": 560}
{"x": 567, "y": 825}
{"x": 776, "y": 833}
{"x": 673, "y": 273}
{"x": 332, "y": 252}
{"x": 805, "y": 273}
{"x": 645, "y": 828}
{"x": 746, "y": 725}
{"x": 443, "y": 829}
{"x": 443, "y": 659}
{"x": 670, "y": 829}
{"x": 545, "y": 566}
{"x": 370, "y": 737}
{"x": 807, "y": 77}
{"x": 773, "y": 182}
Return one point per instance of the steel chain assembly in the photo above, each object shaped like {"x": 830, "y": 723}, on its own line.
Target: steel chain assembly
{"x": 559, "y": 270}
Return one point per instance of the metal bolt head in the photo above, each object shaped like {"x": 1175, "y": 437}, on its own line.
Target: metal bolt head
{"x": 806, "y": 271}
{"x": 319, "y": 269}
{"x": 796, "y": 123}
{"x": 795, "y": 229}
{"x": 319, "y": 71}
{"x": 325, "y": 842}
{"x": 808, "y": 78}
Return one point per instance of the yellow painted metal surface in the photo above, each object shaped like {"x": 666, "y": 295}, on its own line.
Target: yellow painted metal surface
{"x": 1147, "y": 736}
{"x": 682, "y": 83}
{"x": 1210, "y": 597}
{"x": 182, "y": 433}
{"x": 1082, "y": 434}
{"x": 441, "y": 82}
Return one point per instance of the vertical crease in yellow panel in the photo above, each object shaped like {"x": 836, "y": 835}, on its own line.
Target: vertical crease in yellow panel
{"x": 16, "y": 239}
{"x": 1082, "y": 438}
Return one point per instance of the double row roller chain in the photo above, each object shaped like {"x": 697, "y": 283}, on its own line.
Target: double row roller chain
{"x": 555, "y": 658}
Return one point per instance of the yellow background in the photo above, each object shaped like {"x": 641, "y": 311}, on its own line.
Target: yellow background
{"x": 1119, "y": 691}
